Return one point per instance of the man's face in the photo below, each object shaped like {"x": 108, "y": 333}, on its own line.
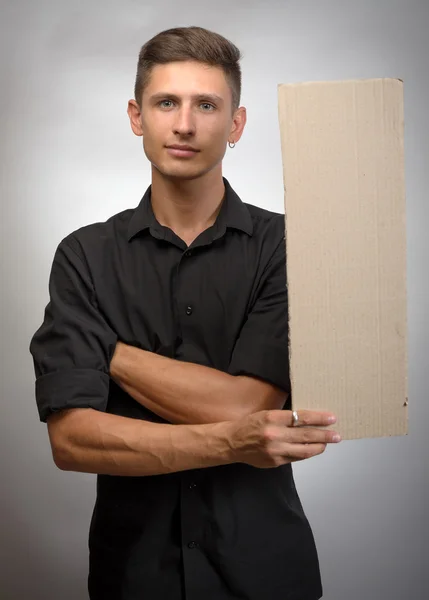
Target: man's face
{"x": 186, "y": 104}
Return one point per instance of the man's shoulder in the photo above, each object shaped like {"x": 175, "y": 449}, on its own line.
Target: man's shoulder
{"x": 100, "y": 232}
{"x": 259, "y": 213}
{"x": 266, "y": 222}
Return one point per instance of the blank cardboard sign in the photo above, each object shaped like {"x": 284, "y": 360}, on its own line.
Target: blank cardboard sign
{"x": 343, "y": 163}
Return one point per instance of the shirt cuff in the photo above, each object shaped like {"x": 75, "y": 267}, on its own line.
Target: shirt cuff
{"x": 74, "y": 388}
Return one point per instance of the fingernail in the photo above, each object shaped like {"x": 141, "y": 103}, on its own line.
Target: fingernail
{"x": 331, "y": 419}
{"x": 336, "y": 438}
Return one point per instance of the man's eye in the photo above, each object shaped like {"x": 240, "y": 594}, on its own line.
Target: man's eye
{"x": 207, "y": 107}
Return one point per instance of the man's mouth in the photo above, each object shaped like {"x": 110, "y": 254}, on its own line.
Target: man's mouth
{"x": 182, "y": 150}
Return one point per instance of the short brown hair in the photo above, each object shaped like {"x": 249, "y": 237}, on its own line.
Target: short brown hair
{"x": 190, "y": 43}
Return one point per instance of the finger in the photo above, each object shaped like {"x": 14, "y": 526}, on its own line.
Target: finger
{"x": 309, "y": 417}
{"x": 303, "y": 451}
{"x": 310, "y": 435}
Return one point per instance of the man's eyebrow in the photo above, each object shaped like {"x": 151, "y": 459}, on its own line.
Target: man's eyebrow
{"x": 168, "y": 95}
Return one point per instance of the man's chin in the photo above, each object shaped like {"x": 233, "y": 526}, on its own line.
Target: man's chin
{"x": 181, "y": 173}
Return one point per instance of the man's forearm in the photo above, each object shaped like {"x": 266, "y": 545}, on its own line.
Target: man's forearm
{"x": 179, "y": 392}
{"x": 91, "y": 441}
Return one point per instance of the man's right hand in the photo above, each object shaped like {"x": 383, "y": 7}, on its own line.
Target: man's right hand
{"x": 267, "y": 439}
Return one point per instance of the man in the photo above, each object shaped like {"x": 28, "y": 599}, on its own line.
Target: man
{"x": 162, "y": 361}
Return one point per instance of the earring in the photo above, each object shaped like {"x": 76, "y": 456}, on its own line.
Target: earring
{"x": 231, "y": 145}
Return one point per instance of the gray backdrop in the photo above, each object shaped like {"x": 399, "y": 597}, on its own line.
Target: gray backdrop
{"x": 68, "y": 158}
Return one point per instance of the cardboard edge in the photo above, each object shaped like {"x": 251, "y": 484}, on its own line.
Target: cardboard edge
{"x": 334, "y": 81}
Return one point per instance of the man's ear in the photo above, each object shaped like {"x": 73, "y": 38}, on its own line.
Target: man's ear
{"x": 134, "y": 114}
{"x": 238, "y": 123}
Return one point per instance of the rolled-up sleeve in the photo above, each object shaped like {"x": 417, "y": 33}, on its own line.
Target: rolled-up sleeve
{"x": 262, "y": 347}
{"x": 73, "y": 347}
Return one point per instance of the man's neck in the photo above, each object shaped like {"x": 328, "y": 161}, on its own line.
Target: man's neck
{"x": 188, "y": 207}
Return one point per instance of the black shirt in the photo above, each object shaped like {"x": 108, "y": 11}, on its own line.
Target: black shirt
{"x": 221, "y": 533}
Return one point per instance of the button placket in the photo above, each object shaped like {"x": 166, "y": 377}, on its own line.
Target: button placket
{"x": 192, "y": 521}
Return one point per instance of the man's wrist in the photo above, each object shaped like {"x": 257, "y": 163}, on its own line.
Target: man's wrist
{"x": 116, "y": 363}
{"x": 221, "y": 438}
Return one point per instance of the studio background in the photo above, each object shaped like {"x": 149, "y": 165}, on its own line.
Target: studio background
{"x": 69, "y": 158}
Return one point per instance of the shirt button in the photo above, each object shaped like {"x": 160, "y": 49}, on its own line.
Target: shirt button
{"x": 192, "y": 485}
{"x": 189, "y": 310}
{"x": 188, "y": 253}
{"x": 192, "y": 545}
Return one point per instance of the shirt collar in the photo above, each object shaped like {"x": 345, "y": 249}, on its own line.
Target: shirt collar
{"x": 233, "y": 213}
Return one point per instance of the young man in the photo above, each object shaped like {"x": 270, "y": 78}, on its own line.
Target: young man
{"x": 162, "y": 361}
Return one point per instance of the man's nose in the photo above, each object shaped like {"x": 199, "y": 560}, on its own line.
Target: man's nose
{"x": 184, "y": 124}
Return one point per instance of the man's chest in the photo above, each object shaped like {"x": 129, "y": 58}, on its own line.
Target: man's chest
{"x": 182, "y": 304}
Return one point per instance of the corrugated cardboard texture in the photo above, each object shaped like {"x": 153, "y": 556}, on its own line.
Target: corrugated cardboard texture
{"x": 342, "y": 148}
